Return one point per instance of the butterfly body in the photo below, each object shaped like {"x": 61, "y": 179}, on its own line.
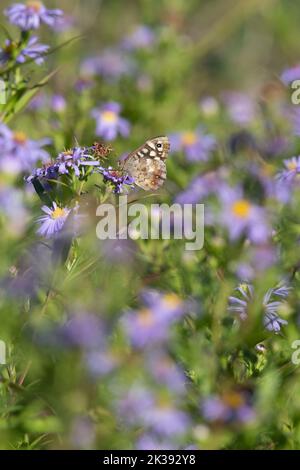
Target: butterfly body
{"x": 147, "y": 164}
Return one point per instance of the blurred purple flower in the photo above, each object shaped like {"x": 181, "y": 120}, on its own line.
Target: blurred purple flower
{"x": 142, "y": 37}
{"x": 166, "y": 372}
{"x": 58, "y": 103}
{"x": 31, "y": 14}
{"x": 13, "y": 208}
{"x": 151, "y": 325}
{"x": 290, "y": 74}
{"x": 18, "y": 153}
{"x": 109, "y": 123}
{"x": 166, "y": 420}
{"x": 52, "y": 223}
{"x": 84, "y": 330}
{"x": 231, "y": 406}
{"x": 199, "y": 188}
{"x": 132, "y": 405}
{"x": 196, "y": 145}
{"x": 241, "y": 217}
{"x": 241, "y": 108}
{"x": 100, "y": 363}
{"x": 111, "y": 65}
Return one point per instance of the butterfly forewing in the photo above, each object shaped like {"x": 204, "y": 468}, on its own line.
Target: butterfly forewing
{"x": 147, "y": 164}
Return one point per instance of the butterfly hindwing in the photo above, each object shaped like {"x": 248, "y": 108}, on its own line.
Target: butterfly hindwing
{"x": 147, "y": 164}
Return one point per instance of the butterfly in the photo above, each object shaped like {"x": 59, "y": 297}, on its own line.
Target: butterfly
{"x": 147, "y": 163}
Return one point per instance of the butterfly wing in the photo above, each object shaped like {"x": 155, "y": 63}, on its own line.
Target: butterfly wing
{"x": 147, "y": 164}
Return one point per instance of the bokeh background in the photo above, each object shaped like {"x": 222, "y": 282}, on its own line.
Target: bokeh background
{"x": 141, "y": 344}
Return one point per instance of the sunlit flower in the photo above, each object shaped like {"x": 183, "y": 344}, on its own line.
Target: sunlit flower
{"x": 196, "y": 145}
{"x": 18, "y": 153}
{"x": 31, "y": 14}
{"x": 109, "y": 124}
{"x": 52, "y": 223}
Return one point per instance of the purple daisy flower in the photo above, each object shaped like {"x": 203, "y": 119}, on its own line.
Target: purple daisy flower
{"x": 291, "y": 171}
{"x": 52, "y": 223}
{"x": 196, "y": 145}
{"x": 109, "y": 123}
{"x": 74, "y": 159}
{"x": 18, "y": 153}
{"x": 142, "y": 37}
{"x": 201, "y": 187}
{"x": 31, "y": 14}
{"x": 241, "y": 217}
{"x": 33, "y": 50}
{"x": 272, "y": 301}
{"x": 167, "y": 420}
{"x": 58, "y": 103}
{"x": 290, "y": 74}
{"x": 116, "y": 179}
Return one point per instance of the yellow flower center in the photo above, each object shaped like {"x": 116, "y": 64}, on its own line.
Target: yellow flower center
{"x": 233, "y": 399}
{"x": 58, "y": 212}
{"x": 145, "y": 317}
{"x": 292, "y": 165}
{"x": 189, "y": 138}
{"x": 20, "y": 137}
{"x": 172, "y": 300}
{"x": 34, "y": 5}
{"x": 109, "y": 116}
{"x": 241, "y": 208}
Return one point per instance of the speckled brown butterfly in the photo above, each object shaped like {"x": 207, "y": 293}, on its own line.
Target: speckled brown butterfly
{"x": 147, "y": 163}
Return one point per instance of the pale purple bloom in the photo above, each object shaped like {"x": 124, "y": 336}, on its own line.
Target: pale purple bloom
{"x": 84, "y": 330}
{"x": 241, "y": 108}
{"x": 166, "y": 420}
{"x": 151, "y": 325}
{"x": 109, "y": 123}
{"x": 290, "y": 74}
{"x": 201, "y": 187}
{"x": 271, "y": 304}
{"x": 13, "y": 208}
{"x": 112, "y": 64}
{"x": 33, "y": 50}
{"x": 31, "y": 14}
{"x": 52, "y": 223}
{"x": 142, "y": 37}
{"x": 131, "y": 406}
{"x": 101, "y": 363}
{"x": 197, "y": 146}
{"x": 241, "y": 217}
{"x": 166, "y": 372}
{"x": 209, "y": 106}
{"x": 58, "y": 103}
{"x": 232, "y": 406}
{"x": 18, "y": 153}
{"x": 291, "y": 170}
